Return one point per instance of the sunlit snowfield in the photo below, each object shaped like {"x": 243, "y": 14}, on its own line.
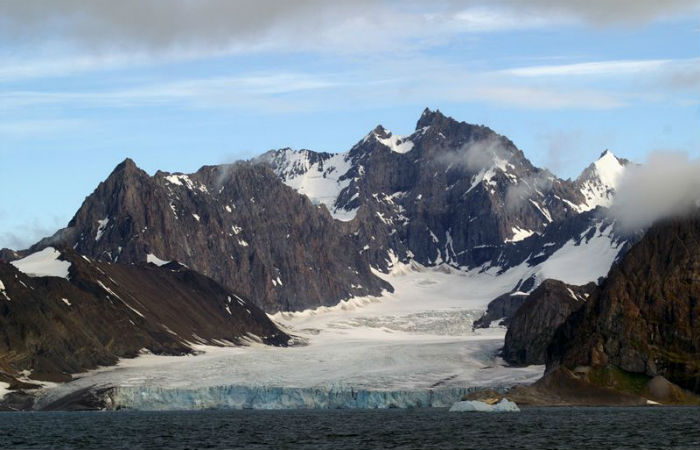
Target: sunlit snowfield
{"x": 418, "y": 338}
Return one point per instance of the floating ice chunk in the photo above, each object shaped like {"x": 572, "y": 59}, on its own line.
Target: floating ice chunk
{"x": 44, "y": 263}
{"x": 504, "y": 405}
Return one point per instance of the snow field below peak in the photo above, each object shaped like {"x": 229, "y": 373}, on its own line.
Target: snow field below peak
{"x": 44, "y": 263}
{"x": 319, "y": 181}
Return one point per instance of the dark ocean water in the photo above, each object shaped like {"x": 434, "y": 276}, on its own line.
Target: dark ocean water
{"x": 533, "y": 428}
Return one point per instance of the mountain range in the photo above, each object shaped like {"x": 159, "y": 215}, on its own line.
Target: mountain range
{"x": 297, "y": 229}
{"x": 163, "y": 263}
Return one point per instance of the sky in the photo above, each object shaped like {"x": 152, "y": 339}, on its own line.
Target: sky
{"x": 180, "y": 84}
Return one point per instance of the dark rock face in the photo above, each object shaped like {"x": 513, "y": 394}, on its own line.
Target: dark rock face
{"x": 645, "y": 318}
{"x": 54, "y": 327}
{"x": 501, "y": 308}
{"x": 534, "y": 323}
{"x": 238, "y": 224}
{"x": 7, "y": 255}
{"x": 451, "y": 192}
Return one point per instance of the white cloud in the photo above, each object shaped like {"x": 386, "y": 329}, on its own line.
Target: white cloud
{"x": 104, "y": 26}
{"x": 668, "y": 185}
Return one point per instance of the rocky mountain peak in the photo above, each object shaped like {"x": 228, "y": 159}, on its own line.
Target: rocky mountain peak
{"x": 128, "y": 166}
{"x": 429, "y": 118}
{"x": 599, "y": 180}
{"x": 380, "y": 132}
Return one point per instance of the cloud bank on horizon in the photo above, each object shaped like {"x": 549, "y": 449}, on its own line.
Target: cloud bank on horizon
{"x": 154, "y": 24}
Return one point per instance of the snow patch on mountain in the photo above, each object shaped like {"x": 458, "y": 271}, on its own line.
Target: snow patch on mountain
{"x": 44, "y": 263}
{"x": 519, "y": 234}
{"x": 153, "y": 259}
{"x": 398, "y": 144}
{"x": 320, "y": 180}
{"x": 180, "y": 180}
{"x": 101, "y": 226}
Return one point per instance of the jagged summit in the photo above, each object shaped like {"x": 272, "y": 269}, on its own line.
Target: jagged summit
{"x": 597, "y": 183}
{"x": 430, "y": 117}
{"x": 380, "y": 131}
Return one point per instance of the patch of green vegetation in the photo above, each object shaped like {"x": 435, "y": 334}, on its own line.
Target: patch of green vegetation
{"x": 613, "y": 377}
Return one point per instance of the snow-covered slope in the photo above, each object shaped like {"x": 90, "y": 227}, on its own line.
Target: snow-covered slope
{"x": 598, "y": 182}
{"x": 401, "y": 349}
{"x": 316, "y": 175}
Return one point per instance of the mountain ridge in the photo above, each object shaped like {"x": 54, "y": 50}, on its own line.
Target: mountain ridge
{"x": 301, "y": 229}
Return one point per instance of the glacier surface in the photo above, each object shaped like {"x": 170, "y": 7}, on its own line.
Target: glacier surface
{"x": 414, "y": 347}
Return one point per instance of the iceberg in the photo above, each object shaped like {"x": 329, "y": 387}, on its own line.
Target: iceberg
{"x": 504, "y": 405}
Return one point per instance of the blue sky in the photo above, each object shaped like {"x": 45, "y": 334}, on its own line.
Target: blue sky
{"x": 179, "y": 85}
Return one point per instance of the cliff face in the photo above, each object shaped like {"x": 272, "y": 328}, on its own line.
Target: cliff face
{"x": 238, "y": 224}
{"x": 645, "y": 317}
{"x": 53, "y": 326}
{"x": 535, "y": 322}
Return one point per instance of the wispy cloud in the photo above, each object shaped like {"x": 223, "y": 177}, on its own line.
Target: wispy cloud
{"x": 293, "y": 92}
{"x": 620, "y": 67}
{"x": 21, "y": 235}
{"x": 259, "y": 91}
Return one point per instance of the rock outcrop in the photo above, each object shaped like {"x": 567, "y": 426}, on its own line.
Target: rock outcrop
{"x": 533, "y": 325}
{"x": 501, "y": 310}
{"x": 238, "y": 224}
{"x": 54, "y": 326}
{"x": 645, "y": 317}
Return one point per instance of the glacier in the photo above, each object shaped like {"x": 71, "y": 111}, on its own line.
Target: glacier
{"x": 411, "y": 348}
{"x": 268, "y": 397}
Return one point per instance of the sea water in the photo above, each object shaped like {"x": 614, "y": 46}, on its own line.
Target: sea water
{"x": 426, "y": 428}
